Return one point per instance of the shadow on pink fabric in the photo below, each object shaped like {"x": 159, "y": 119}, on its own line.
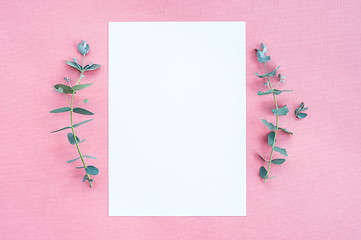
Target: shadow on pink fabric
{"x": 316, "y": 193}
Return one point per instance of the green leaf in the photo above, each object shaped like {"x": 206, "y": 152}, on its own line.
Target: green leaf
{"x": 269, "y": 125}
{"x": 79, "y": 167}
{"x": 75, "y": 125}
{"x": 91, "y": 67}
{"x": 92, "y": 170}
{"x": 82, "y": 86}
{"x": 270, "y": 74}
{"x": 262, "y": 76}
{"x": 278, "y": 92}
{"x": 263, "y": 48}
{"x": 271, "y": 177}
{"x": 278, "y": 161}
{"x": 271, "y": 138}
{"x": 85, "y": 178}
{"x": 71, "y": 139}
{"x": 262, "y": 57}
{"x": 74, "y": 65}
{"x": 302, "y": 115}
{"x": 273, "y": 73}
{"x": 85, "y": 100}
{"x": 82, "y": 111}
{"x": 66, "y": 89}
{"x": 60, "y": 129}
{"x": 281, "y": 111}
{"x": 262, "y": 158}
{"x": 275, "y": 91}
{"x": 280, "y": 150}
{"x": 81, "y": 123}
{"x": 61, "y": 110}
{"x": 91, "y": 180}
{"x": 262, "y": 172}
{"x": 87, "y": 156}
{"x": 285, "y": 130}
{"x": 264, "y": 93}
{"x": 73, "y": 160}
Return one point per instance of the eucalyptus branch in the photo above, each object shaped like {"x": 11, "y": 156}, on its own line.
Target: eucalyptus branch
{"x": 83, "y": 49}
{"x": 282, "y": 111}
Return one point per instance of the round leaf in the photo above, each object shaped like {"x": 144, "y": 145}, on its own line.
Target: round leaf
{"x": 263, "y": 172}
{"x": 92, "y": 170}
{"x": 278, "y": 161}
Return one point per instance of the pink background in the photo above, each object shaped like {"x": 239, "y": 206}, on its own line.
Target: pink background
{"x": 316, "y": 194}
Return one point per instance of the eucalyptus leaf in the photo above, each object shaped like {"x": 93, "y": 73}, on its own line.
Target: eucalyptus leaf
{"x": 269, "y": 91}
{"x": 81, "y": 123}
{"x": 82, "y": 111}
{"x": 66, "y": 89}
{"x": 75, "y": 125}
{"x": 73, "y": 160}
{"x": 262, "y": 76}
{"x": 262, "y": 158}
{"x": 271, "y": 177}
{"x": 91, "y": 180}
{"x": 278, "y": 161}
{"x": 262, "y": 172}
{"x": 91, "y": 67}
{"x": 269, "y": 125}
{"x": 92, "y": 170}
{"x": 273, "y": 73}
{"x": 285, "y": 130}
{"x": 61, "y": 110}
{"x": 82, "y": 86}
{"x": 60, "y": 129}
{"x": 271, "y": 138}
{"x": 79, "y": 167}
{"x": 87, "y": 156}
{"x": 85, "y": 178}
{"x": 302, "y": 115}
{"x": 85, "y": 101}
{"x": 263, "y": 48}
{"x": 280, "y": 150}
{"x": 74, "y": 65}
{"x": 281, "y": 111}
{"x": 262, "y": 58}
{"x": 278, "y": 92}
{"x": 72, "y": 140}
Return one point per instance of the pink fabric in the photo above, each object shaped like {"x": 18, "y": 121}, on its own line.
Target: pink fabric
{"x": 316, "y": 194}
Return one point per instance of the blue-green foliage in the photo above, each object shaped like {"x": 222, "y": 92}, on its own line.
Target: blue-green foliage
{"x": 299, "y": 111}
{"x": 282, "y": 111}
{"x": 83, "y": 49}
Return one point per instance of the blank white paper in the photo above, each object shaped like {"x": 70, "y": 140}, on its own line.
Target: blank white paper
{"x": 177, "y": 119}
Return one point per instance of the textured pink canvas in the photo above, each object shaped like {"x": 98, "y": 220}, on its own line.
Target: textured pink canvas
{"x": 316, "y": 194}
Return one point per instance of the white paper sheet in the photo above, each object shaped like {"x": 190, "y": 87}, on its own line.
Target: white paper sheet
{"x": 177, "y": 119}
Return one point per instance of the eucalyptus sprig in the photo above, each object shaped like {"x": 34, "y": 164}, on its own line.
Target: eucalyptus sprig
{"x": 70, "y": 89}
{"x": 277, "y": 111}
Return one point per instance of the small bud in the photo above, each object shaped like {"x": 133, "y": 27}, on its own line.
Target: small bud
{"x": 83, "y": 47}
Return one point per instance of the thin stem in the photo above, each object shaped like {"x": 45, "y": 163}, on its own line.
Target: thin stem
{"x": 72, "y": 128}
{"x": 274, "y": 139}
{"x": 286, "y": 121}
